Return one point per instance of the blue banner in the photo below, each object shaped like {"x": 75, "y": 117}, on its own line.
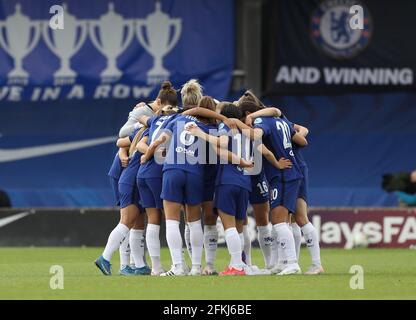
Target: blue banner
{"x": 117, "y": 49}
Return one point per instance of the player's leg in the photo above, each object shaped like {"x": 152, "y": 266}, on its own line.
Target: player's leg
{"x": 210, "y": 237}
{"x": 247, "y": 243}
{"x": 194, "y": 193}
{"x": 196, "y": 237}
{"x": 173, "y": 197}
{"x": 231, "y": 204}
{"x": 283, "y": 201}
{"x": 311, "y": 236}
{"x": 116, "y": 238}
{"x": 150, "y": 190}
{"x": 137, "y": 245}
{"x": 124, "y": 247}
{"x": 233, "y": 241}
{"x": 173, "y": 237}
{"x": 154, "y": 217}
{"x": 187, "y": 236}
{"x": 297, "y": 235}
{"x": 125, "y": 252}
{"x": 261, "y": 214}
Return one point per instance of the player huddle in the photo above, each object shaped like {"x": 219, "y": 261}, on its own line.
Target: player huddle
{"x": 209, "y": 159}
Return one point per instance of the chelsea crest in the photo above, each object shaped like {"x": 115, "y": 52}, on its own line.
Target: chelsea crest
{"x": 332, "y": 33}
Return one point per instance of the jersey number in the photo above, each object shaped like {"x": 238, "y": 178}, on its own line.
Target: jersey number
{"x": 263, "y": 187}
{"x": 186, "y": 139}
{"x": 283, "y": 126}
{"x": 158, "y": 125}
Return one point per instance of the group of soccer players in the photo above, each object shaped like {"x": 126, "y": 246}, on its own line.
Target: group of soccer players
{"x": 209, "y": 160}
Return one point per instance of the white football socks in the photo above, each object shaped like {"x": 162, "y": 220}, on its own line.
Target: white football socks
{"x": 137, "y": 247}
{"x": 114, "y": 241}
{"x": 247, "y": 245}
{"x": 233, "y": 241}
{"x": 153, "y": 245}
{"x": 197, "y": 242}
{"x": 187, "y": 236}
{"x": 274, "y": 258}
{"x": 125, "y": 252}
{"x": 210, "y": 244}
{"x": 265, "y": 242}
{"x": 297, "y": 236}
{"x": 312, "y": 243}
{"x": 286, "y": 243}
{"x": 174, "y": 239}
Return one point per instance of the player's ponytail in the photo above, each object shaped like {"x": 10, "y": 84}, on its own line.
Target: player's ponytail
{"x": 249, "y": 96}
{"x": 135, "y": 141}
{"x": 191, "y": 94}
{"x": 167, "y": 94}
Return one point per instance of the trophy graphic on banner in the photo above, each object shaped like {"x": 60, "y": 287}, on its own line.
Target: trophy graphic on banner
{"x": 109, "y": 40}
{"x": 158, "y": 26}
{"x": 17, "y": 43}
{"x": 64, "y": 43}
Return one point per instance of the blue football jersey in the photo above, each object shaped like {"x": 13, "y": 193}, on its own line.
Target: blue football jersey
{"x": 152, "y": 169}
{"x": 232, "y": 173}
{"x": 186, "y": 152}
{"x": 297, "y": 150}
{"x": 129, "y": 174}
{"x": 277, "y": 137}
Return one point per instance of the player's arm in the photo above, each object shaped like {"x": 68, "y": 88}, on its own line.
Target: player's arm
{"x": 150, "y": 151}
{"x": 301, "y": 130}
{"x": 123, "y": 142}
{"x": 197, "y": 132}
{"x": 282, "y": 163}
{"x": 132, "y": 124}
{"x": 143, "y": 120}
{"x": 252, "y": 134}
{"x": 266, "y": 112}
{"x": 224, "y": 153}
{"x": 142, "y": 145}
{"x": 206, "y": 113}
{"x": 233, "y": 158}
{"x": 299, "y": 140}
{"x": 123, "y": 154}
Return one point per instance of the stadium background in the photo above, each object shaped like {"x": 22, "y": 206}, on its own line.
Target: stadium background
{"x": 359, "y": 131}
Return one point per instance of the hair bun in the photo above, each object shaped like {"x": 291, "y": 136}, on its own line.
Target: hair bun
{"x": 166, "y": 85}
{"x": 192, "y": 86}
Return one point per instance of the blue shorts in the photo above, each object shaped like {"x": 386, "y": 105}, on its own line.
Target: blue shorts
{"x": 129, "y": 195}
{"x": 149, "y": 191}
{"x": 304, "y": 184}
{"x": 182, "y": 187}
{"x": 114, "y": 186}
{"x": 259, "y": 189}
{"x": 284, "y": 194}
{"x": 232, "y": 200}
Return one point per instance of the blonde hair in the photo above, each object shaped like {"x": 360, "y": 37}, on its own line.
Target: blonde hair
{"x": 191, "y": 93}
{"x": 136, "y": 140}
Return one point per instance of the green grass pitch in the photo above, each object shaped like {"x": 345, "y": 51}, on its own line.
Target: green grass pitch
{"x": 388, "y": 274}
